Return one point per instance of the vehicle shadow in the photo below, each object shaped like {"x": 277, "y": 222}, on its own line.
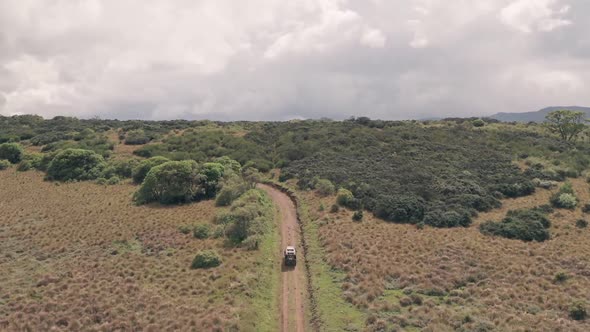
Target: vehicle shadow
{"x": 286, "y": 268}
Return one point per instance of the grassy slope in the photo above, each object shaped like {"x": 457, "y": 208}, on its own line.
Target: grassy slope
{"x": 262, "y": 313}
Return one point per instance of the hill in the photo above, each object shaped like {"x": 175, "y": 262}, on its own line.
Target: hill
{"x": 538, "y": 116}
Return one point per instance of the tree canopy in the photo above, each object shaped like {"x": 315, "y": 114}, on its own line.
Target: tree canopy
{"x": 567, "y": 124}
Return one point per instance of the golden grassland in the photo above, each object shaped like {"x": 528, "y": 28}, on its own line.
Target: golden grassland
{"x": 80, "y": 256}
{"x": 458, "y": 279}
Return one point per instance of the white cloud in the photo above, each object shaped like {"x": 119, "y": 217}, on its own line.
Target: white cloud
{"x": 275, "y": 59}
{"x": 534, "y": 15}
{"x": 373, "y": 38}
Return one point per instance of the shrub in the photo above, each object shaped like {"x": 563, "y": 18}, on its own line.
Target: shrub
{"x": 172, "y": 182}
{"x": 560, "y": 277}
{"x": 401, "y": 208}
{"x": 517, "y": 189}
{"x": 12, "y": 152}
{"x": 202, "y": 231}
{"x": 213, "y": 173}
{"x": 581, "y": 223}
{"x": 140, "y": 171}
{"x": 4, "y": 164}
{"x": 75, "y": 164}
{"x": 566, "y": 201}
{"x": 525, "y": 225}
{"x": 249, "y": 215}
{"x": 578, "y": 311}
{"x": 357, "y": 216}
{"x": 252, "y": 242}
{"x": 335, "y": 208}
{"x": 478, "y": 123}
{"x": 565, "y": 198}
{"x": 136, "y": 137}
{"x": 443, "y": 219}
{"x": 586, "y": 208}
{"x": 113, "y": 180}
{"x": 206, "y": 259}
{"x": 184, "y": 229}
{"x": 122, "y": 168}
{"x": 24, "y": 166}
{"x": 325, "y": 187}
{"x": 344, "y": 197}
{"x": 101, "y": 181}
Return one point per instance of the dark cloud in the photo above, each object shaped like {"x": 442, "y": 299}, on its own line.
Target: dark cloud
{"x": 276, "y": 60}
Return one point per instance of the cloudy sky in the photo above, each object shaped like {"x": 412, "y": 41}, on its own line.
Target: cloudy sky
{"x": 283, "y": 59}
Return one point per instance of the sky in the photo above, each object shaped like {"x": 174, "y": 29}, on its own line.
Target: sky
{"x": 289, "y": 59}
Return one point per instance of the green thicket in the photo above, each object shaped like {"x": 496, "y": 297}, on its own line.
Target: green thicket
{"x": 173, "y": 182}
{"x": 565, "y": 198}
{"x": 206, "y": 259}
{"x": 137, "y": 137}
{"x": 76, "y": 164}
{"x": 248, "y": 218}
{"x": 437, "y": 173}
{"x": 143, "y": 167}
{"x": 525, "y": 224}
{"x": 4, "y": 164}
{"x": 12, "y": 152}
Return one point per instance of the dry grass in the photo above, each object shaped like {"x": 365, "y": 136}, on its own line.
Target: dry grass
{"x": 81, "y": 256}
{"x": 449, "y": 279}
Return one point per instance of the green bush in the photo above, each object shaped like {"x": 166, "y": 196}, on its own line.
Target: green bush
{"x": 202, "y": 231}
{"x": 184, "y": 229}
{"x": 123, "y": 168}
{"x": 344, "y": 197}
{"x": 4, "y": 164}
{"x": 136, "y": 137}
{"x": 525, "y": 225}
{"x": 206, "y": 259}
{"x": 232, "y": 188}
{"x": 12, "y": 152}
{"x": 113, "y": 180}
{"x": 357, "y": 216}
{"x": 577, "y": 310}
{"x": 565, "y": 198}
{"x": 252, "y": 242}
{"x": 401, "y": 208}
{"x": 478, "y": 123}
{"x": 560, "y": 277}
{"x": 249, "y": 215}
{"x": 75, "y": 164}
{"x": 172, "y": 182}
{"x": 140, "y": 171}
{"x": 581, "y": 223}
{"x": 566, "y": 201}
{"x": 24, "y": 166}
{"x": 444, "y": 219}
{"x": 101, "y": 181}
{"x": 325, "y": 187}
{"x": 334, "y": 208}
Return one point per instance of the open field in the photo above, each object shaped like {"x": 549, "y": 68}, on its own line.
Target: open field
{"x": 79, "y": 256}
{"x": 458, "y": 279}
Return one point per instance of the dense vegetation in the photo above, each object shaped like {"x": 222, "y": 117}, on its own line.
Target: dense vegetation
{"x": 437, "y": 173}
{"x": 525, "y": 224}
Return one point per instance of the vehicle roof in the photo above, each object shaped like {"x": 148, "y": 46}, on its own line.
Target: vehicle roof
{"x": 290, "y": 248}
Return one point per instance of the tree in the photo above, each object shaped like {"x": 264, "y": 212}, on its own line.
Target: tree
{"x": 136, "y": 137}
{"x": 76, "y": 164}
{"x": 172, "y": 182}
{"x": 567, "y": 124}
{"x": 12, "y": 152}
{"x": 140, "y": 171}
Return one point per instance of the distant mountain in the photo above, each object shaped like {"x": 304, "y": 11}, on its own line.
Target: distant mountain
{"x": 538, "y": 116}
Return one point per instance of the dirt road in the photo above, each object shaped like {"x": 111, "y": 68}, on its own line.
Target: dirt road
{"x": 293, "y": 279}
